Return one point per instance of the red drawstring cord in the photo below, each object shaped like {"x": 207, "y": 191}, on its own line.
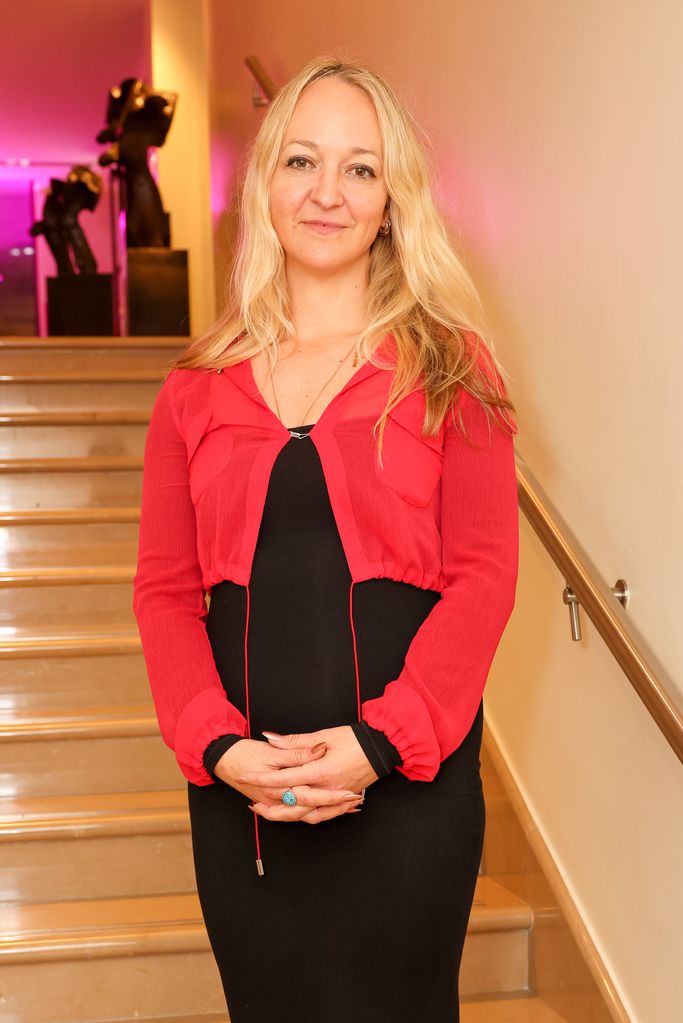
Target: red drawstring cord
{"x": 355, "y": 652}
{"x": 259, "y": 861}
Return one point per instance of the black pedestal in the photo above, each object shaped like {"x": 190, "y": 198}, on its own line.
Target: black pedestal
{"x": 80, "y": 305}
{"x": 158, "y": 292}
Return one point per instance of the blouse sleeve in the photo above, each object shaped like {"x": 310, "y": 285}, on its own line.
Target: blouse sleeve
{"x": 169, "y": 605}
{"x": 427, "y": 711}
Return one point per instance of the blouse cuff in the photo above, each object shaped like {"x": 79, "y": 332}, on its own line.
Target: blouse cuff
{"x": 215, "y": 750}
{"x": 205, "y": 717}
{"x": 381, "y": 753}
{"x": 401, "y": 713}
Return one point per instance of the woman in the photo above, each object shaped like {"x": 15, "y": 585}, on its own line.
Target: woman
{"x": 333, "y": 465}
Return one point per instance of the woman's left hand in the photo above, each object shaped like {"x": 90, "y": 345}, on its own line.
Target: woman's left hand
{"x": 343, "y": 766}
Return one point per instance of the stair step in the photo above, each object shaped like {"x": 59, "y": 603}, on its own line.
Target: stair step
{"x": 105, "y": 343}
{"x": 105, "y": 375}
{"x": 71, "y": 575}
{"x": 67, "y": 516}
{"x": 74, "y": 417}
{"x": 95, "y": 846}
{"x": 524, "y": 1009}
{"x": 73, "y": 463}
{"x": 110, "y": 959}
{"x": 28, "y": 393}
{"x": 93, "y": 816}
{"x": 84, "y": 489}
{"x": 67, "y": 682}
{"x": 53, "y": 544}
{"x": 59, "y": 639}
{"x": 50, "y": 439}
{"x": 89, "y": 599}
{"x": 121, "y": 721}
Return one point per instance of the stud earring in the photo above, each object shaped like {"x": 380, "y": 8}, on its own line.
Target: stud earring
{"x": 386, "y": 227}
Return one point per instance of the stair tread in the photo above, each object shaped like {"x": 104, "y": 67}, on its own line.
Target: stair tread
{"x": 527, "y": 1009}
{"x": 67, "y": 516}
{"x": 92, "y": 813}
{"x": 84, "y": 920}
{"x": 98, "y": 625}
{"x": 78, "y": 573}
{"x": 73, "y": 416}
{"x": 87, "y": 721}
{"x": 105, "y": 342}
{"x": 95, "y": 554}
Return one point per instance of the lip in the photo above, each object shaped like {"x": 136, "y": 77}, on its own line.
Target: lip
{"x": 323, "y": 226}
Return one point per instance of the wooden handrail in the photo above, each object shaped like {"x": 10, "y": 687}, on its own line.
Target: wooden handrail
{"x": 263, "y": 79}
{"x": 637, "y": 660}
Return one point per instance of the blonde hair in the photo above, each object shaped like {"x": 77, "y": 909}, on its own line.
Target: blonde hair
{"x": 418, "y": 288}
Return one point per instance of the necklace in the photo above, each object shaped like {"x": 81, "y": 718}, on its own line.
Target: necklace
{"x": 300, "y": 436}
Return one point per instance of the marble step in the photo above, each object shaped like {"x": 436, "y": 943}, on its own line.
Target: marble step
{"x": 45, "y": 680}
{"x": 525, "y": 1008}
{"x": 76, "y": 464}
{"x": 96, "y": 846}
{"x": 55, "y": 357}
{"x": 44, "y": 555}
{"x": 27, "y": 393}
{"x": 86, "y": 487}
{"x": 105, "y": 593}
{"x": 84, "y": 750}
{"x": 104, "y": 434}
{"x": 108, "y": 959}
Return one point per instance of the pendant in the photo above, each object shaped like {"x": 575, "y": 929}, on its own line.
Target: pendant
{"x": 299, "y": 436}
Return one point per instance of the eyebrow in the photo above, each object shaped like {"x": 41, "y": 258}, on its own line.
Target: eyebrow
{"x": 314, "y": 145}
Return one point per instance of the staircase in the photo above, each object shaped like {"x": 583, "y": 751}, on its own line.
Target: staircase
{"x": 99, "y": 917}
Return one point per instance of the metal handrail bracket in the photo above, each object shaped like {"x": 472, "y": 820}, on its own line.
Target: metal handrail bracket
{"x": 603, "y": 607}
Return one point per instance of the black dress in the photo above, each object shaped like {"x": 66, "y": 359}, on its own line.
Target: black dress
{"x": 363, "y": 917}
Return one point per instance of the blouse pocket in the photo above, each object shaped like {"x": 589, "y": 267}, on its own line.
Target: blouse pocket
{"x": 412, "y": 463}
{"x": 209, "y": 448}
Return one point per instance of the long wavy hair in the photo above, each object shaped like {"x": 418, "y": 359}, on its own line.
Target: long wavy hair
{"x": 418, "y": 288}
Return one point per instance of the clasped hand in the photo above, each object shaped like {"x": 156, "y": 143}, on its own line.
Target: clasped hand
{"x": 326, "y": 770}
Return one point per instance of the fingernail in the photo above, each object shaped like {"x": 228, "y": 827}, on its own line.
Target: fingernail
{"x": 271, "y": 735}
{"x": 355, "y": 809}
{"x": 320, "y": 746}
{"x": 351, "y": 795}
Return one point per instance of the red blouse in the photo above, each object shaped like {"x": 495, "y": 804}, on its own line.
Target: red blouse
{"x": 441, "y": 514}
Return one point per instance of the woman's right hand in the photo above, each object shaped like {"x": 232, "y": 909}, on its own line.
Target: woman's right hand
{"x": 313, "y": 804}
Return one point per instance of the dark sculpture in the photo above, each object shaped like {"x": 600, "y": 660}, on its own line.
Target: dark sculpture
{"x": 63, "y": 233}
{"x": 138, "y": 117}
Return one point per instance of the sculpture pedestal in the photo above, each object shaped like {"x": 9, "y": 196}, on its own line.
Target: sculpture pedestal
{"x": 80, "y": 306}
{"x": 158, "y": 292}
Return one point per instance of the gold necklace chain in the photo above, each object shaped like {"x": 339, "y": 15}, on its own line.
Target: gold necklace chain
{"x": 277, "y": 406}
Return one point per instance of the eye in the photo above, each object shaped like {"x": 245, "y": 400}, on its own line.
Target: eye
{"x": 368, "y": 172}
{"x": 298, "y": 160}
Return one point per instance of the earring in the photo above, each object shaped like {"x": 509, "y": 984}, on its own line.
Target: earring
{"x": 386, "y": 227}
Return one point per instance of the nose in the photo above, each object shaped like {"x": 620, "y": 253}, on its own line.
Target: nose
{"x": 326, "y": 189}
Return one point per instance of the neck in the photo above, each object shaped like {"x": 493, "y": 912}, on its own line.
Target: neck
{"x": 318, "y": 302}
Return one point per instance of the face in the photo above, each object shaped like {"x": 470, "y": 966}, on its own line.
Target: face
{"x": 327, "y": 195}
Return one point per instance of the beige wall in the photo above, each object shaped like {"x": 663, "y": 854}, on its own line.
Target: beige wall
{"x": 179, "y": 38}
{"x": 558, "y": 143}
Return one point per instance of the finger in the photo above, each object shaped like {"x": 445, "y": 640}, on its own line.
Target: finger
{"x": 279, "y": 811}
{"x": 293, "y": 739}
{"x": 307, "y": 774}
{"x": 310, "y": 796}
{"x": 325, "y": 813}
{"x": 300, "y": 756}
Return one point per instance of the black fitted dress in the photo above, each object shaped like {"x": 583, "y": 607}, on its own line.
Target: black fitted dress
{"x": 363, "y": 917}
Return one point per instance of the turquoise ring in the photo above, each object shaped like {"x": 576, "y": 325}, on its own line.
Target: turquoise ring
{"x": 288, "y": 798}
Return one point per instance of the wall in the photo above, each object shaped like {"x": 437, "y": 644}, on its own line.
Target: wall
{"x": 557, "y": 142}
{"x": 180, "y": 64}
